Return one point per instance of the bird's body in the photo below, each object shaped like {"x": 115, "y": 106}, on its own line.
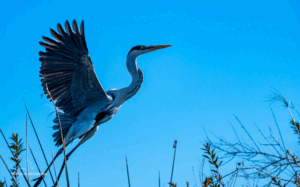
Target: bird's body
{"x": 87, "y": 119}
{"x": 69, "y": 78}
{"x": 102, "y": 111}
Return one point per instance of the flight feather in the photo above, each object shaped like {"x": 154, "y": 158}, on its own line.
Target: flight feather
{"x": 68, "y": 71}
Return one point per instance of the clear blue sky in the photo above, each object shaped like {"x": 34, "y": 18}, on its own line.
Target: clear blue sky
{"x": 225, "y": 59}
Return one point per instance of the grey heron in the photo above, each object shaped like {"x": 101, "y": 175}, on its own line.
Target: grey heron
{"x": 67, "y": 72}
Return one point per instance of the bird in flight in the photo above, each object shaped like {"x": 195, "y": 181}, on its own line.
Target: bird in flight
{"x": 68, "y": 77}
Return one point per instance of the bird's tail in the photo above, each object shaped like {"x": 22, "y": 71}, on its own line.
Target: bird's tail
{"x": 66, "y": 122}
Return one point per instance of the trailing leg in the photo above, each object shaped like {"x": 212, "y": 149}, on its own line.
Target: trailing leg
{"x": 87, "y": 136}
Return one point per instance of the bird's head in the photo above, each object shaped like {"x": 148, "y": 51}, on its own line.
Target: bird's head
{"x": 142, "y": 49}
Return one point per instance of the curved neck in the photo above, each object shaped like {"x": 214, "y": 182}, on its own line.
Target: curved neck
{"x": 136, "y": 75}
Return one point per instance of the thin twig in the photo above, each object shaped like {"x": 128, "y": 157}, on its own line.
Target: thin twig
{"x": 237, "y": 172}
{"x": 54, "y": 168}
{"x": 202, "y": 168}
{"x": 15, "y": 158}
{"x": 287, "y": 157}
{"x": 246, "y": 131}
{"x": 174, "y": 146}
{"x": 236, "y": 134}
{"x": 195, "y": 176}
{"x": 278, "y": 128}
{"x": 5, "y": 182}
{"x": 269, "y": 174}
{"x": 267, "y": 139}
{"x": 36, "y": 162}
{"x": 38, "y": 140}
{"x": 127, "y": 172}
{"x": 27, "y": 149}
{"x": 257, "y": 180}
{"x": 62, "y": 137}
{"x": 290, "y": 179}
{"x": 159, "y": 179}
{"x": 12, "y": 177}
{"x": 231, "y": 178}
{"x": 78, "y": 180}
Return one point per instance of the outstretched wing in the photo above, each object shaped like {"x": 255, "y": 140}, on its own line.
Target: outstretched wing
{"x": 68, "y": 72}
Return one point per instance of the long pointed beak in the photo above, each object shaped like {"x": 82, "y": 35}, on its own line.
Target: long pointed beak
{"x": 156, "y": 47}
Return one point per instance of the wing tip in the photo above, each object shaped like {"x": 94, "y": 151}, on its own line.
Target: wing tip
{"x": 60, "y": 29}
{"x": 75, "y": 27}
{"x": 82, "y": 28}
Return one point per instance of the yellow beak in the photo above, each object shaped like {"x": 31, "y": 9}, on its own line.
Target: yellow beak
{"x": 156, "y": 47}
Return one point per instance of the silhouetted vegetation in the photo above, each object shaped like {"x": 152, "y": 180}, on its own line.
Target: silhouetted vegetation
{"x": 17, "y": 148}
{"x": 268, "y": 163}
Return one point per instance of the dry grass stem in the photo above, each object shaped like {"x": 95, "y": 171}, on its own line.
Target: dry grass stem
{"x": 54, "y": 169}
{"x": 62, "y": 137}
{"x": 38, "y": 141}
{"x": 127, "y": 172}
{"x": 27, "y": 149}
{"x": 36, "y": 162}
{"x": 174, "y": 146}
{"x": 12, "y": 177}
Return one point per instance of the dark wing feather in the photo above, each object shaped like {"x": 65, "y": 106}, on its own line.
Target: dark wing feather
{"x": 68, "y": 72}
